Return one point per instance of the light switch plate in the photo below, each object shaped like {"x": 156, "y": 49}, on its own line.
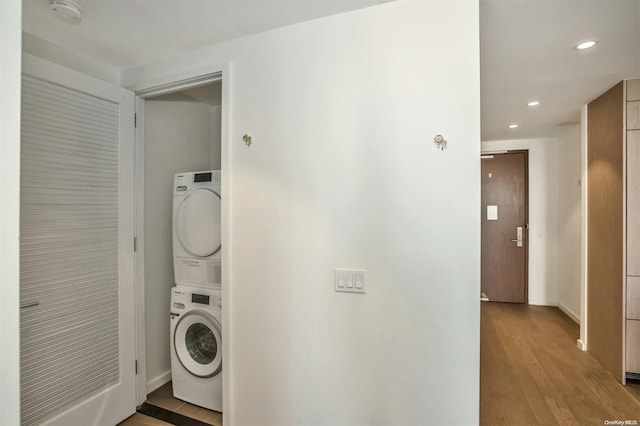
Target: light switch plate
{"x": 350, "y": 280}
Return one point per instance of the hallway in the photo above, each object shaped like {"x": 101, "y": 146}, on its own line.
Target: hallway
{"x": 531, "y": 372}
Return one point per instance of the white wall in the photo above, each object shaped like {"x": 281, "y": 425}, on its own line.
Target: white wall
{"x": 554, "y": 218}
{"x": 178, "y": 138}
{"x": 216, "y": 137}
{"x": 570, "y": 222}
{"x": 343, "y": 172}
{"x": 10, "y": 46}
{"x": 70, "y": 59}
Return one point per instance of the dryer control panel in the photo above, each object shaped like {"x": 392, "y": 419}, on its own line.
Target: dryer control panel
{"x": 184, "y": 182}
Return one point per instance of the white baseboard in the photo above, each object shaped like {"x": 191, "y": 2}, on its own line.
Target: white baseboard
{"x": 156, "y": 382}
{"x": 542, "y": 302}
{"x": 581, "y": 345}
{"x": 569, "y": 313}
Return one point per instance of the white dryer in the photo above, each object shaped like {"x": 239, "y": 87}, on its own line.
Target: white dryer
{"x": 196, "y": 346}
{"x": 196, "y": 229}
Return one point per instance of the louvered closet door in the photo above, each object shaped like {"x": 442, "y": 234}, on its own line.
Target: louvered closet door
{"x": 77, "y": 338}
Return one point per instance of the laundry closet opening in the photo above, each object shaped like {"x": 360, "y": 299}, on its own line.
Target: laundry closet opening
{"x": 179, "y": 176}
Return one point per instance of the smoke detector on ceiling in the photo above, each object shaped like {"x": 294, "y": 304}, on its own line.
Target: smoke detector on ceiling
{"x": 66, "y": 10}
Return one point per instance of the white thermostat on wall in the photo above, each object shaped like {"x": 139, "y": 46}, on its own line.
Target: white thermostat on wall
{"x": 350, "y": 280}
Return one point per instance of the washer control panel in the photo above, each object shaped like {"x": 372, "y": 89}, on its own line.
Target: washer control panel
{"x": 178, "y": 302}
{"x": 184, "y": 299}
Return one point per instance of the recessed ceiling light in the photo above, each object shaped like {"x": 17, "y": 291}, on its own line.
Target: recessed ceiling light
{"x": 513, "y": 126}
{"x": 534, "y": 103}
{"x": 586, "y": 44}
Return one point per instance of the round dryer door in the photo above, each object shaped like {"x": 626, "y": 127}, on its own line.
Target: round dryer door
{"x": 198, "y": 222}
{"x": 198, "y": 343}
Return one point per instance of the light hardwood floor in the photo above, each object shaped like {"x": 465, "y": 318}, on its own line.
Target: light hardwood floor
{"x": 634, "y": 389}
{"x": 532, "y": 373}
{"x": 163, "y": 397}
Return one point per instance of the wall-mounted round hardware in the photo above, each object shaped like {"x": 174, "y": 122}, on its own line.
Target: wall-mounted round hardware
{"x": 440, "y": 142}
{"x": 66, "y": 10}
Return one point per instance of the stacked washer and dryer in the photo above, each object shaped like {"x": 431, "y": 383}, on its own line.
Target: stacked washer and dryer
{"x": 196, "y": 301}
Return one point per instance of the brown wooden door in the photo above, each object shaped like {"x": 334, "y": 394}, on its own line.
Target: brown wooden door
{"x": 504, "y": 210}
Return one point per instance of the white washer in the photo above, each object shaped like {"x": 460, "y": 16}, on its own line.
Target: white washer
{"x": 196, "y": 346}
{"x": 196, "y": 229}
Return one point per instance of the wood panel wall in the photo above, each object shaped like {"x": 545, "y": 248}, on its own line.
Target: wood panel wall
{"x": 605, "y": 272}
{"x": 633, "y": 227}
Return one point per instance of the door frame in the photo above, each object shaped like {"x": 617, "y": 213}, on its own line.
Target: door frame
{"x": 10, "y": 123}
{"x": 526, "y": 210}
{"x": 94, "y": 407}
{"x": 584, "y": 235}
{"x": 166, "y": 85}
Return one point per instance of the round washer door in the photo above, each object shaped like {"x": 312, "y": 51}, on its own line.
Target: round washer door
{"x": 198, "y": 343}
{"x": 198, "y": 222}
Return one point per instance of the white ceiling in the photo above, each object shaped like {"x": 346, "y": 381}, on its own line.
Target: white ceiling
{"x": 124, "y": 33}
{"x": 527, "y": 53}
{"x": 527, "y": 46}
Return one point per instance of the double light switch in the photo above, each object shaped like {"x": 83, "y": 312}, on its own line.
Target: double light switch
{"x": 349, "y": 280}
